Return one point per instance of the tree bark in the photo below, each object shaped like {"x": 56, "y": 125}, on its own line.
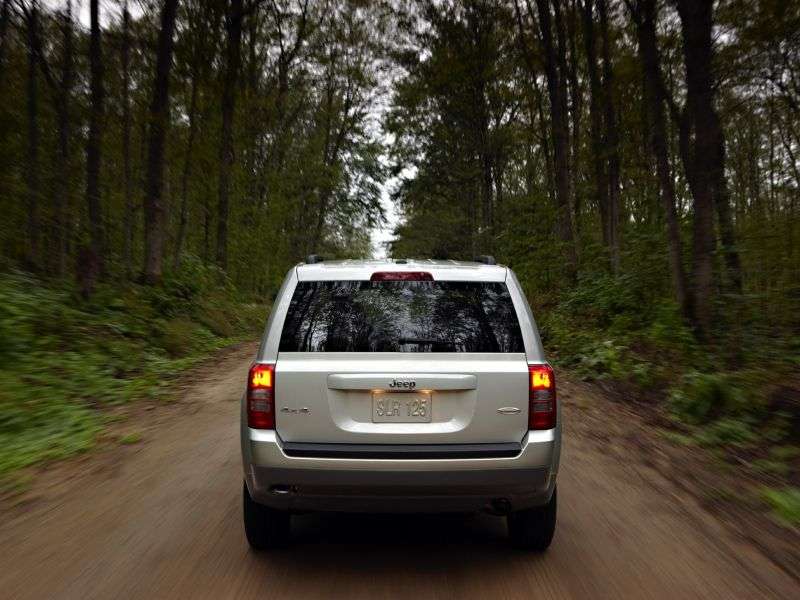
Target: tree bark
{"x": 700, "y": 156}
{"x": 128, "y": 215}
{"x": 32, "y": 248}
{"x": 187, "y": 169}
{"x": 557, "y": 94}
{"x": 5, "y": 17}
{"x": 576, "y": 108}
{"x": 233, "y": 25}
{"x": 600, "y": 180}
{"x": 154, "y": 209}
{"x": 64, "y": 136}
{"x": 611, "y": 142}
{"x": 645, "y": 17}
{"x": 90, "y": 260}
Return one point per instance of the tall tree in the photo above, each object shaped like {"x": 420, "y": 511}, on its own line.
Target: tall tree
{"x": 556, "y": 90}
{"x": 127, "y": 175}
{"x": 600, "y": 172}
{"x": 645, "y": 14}
{"x": 233, "y": 58}
{"x": 32, "y": 24}
{"x": 91, "y": 260}
{"x": 611, "y": 139}
{"x": 5, "y": 18}
{"x": 61, "y": 90}
{"x": 154, "y": 209}
{"x": 706, "y": 158}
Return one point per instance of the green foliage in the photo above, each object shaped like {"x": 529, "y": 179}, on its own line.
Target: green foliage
{"x": 131, "y": 438}
{"x": 785, "y": 503}
{"x": 703, "y": 397}
{"x": 729, "y": 431}
{"x": 63, "y": 358}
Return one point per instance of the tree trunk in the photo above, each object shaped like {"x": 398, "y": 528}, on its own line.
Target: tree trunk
{"x": 187, "y": 169}
{"x": 91, "y": 259}
{"x": 596, "y": 119}
{"x": 700, "y": 156}
{"x": 128, "y": 216}
{"x": 5, "y": 17}
{"x": 154, "y": 210}
{"x": 556, "y": 92}
{"x": 233, "y": 26}
{"x": 611, "y": 140}
{"x": 536, "y": 109}
{"x": 645, "y": 17}
{"x": 64, "y": 134}
{"x": 32, "y": 248}
{"x": 722, "y": 204}
{"x": 576, "y": 103}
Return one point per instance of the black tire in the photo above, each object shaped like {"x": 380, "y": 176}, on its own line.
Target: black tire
{"x": 533, "y": 529}
{"x": 264, "y": 527}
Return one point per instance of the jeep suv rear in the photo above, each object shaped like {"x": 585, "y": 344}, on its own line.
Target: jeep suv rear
{"x": 400, "y": 386}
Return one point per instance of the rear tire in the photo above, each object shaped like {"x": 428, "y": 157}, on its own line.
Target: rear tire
{"x": 264, "y": 527}
{"x": 533, "y": 528}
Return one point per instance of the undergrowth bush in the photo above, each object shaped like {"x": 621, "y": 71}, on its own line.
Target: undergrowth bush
{"x": 61, "y": 358}
{"x": 621, "y": 329}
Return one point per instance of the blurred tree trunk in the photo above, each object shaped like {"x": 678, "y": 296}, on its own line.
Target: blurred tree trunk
{"x": 5, "y": 17}
{"x": 556, "y": 90}
{"x": 576, "y": 108}
{"x": 644, "y": 14}
{"x": 187, "y": 167}
{"x": 128, "y": 215}
{"x": 611, "y": 142}
{"x": 599, "y": 178}
{"x": 61, "y": 94}
{"x": 63, "y": 107}
{"x": 233, "y": 26}
{"x": 154, "y": 210}
{"x": 90, "y": 259}
{"x": 32, "y": 175}
{"x": 700, "y": 153}
{"x": 536, "y": 104}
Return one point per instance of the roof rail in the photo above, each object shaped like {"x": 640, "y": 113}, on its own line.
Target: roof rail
{"x": 486, "y": 259}
{"x": 313, "y": 259}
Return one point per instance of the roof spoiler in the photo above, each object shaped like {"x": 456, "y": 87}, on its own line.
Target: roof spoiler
{"x": 486, "y": 259}
{"x": 313, "y": 259}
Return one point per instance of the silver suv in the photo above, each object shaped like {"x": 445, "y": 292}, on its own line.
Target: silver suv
{"x": 400, "y": 386}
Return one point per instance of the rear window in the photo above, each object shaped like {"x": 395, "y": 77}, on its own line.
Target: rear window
{"x": 401, "y": 316}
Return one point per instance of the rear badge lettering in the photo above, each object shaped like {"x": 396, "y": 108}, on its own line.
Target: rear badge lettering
{"x": 295, "y": 411}
{"x": 407, "y": 385}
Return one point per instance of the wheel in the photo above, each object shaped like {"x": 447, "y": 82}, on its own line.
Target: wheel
{"x": 264, "y": 527}
{"x": 533, "y": 529}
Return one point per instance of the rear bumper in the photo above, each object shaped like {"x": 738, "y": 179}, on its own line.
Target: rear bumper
{"x": 305, "y": 483}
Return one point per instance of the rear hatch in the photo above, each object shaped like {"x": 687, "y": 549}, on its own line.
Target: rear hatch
{"x": 401, "y": 362}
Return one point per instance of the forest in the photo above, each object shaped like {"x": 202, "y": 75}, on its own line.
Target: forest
{"x": 636, "y": 162}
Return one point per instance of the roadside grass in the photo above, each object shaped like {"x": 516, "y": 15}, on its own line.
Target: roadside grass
{"x": 133, "y": 437}
{"x": 785, "y": 503}
{"x": 63, "y": 360}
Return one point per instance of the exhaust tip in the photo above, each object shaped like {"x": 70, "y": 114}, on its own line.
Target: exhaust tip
{"x": 500, "y": 506}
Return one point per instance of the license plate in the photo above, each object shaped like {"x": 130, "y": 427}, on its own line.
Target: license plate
{"x": 400, "y": 407}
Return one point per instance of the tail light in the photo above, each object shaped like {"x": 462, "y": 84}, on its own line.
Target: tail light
{"x": 542, "y": 397}
{"x": 261, "y": 397}
{"x": 401, "y": 276}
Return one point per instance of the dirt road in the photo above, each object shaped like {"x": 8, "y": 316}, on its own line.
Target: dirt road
{"x": 161, "y": 519}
